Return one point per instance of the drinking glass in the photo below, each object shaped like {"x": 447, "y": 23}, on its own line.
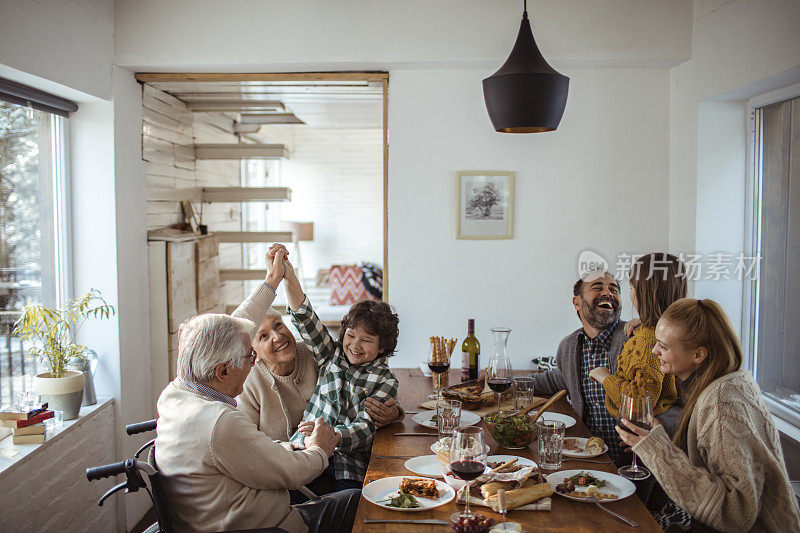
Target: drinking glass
{"x": 639, "y": 410}
{"x": 551, "y": 443}
{"x": 523, "y": 392}
{"x": 467, "y": 461}
{"x": 439, "y": 363}
{"x": 449, "y": 418}
{"x": 498, "y": 373}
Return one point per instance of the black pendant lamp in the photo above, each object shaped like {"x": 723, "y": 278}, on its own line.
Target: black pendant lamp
{"x": 526, "y": 95}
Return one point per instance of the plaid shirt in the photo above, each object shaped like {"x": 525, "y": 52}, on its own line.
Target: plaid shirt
{"x": 340, "y": 394}
{"x": 594, "y": 353}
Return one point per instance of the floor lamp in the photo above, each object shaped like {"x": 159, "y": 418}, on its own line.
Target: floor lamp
{"x": 301, "y": 231}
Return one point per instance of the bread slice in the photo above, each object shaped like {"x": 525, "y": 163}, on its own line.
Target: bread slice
{"x": 519, "y": 497}
{"x": 595, "y": 445}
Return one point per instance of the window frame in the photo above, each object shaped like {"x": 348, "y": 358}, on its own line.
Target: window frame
{"x": 787, "y": 420}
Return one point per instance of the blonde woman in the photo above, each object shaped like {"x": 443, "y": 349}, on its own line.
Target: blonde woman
{"x": 724, "y": 466}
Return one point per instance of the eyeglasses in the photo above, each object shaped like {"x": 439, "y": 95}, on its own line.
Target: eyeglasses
{"x": 252, "y": 357}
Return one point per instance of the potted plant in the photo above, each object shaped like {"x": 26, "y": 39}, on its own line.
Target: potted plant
{"x": 51, "y": 334}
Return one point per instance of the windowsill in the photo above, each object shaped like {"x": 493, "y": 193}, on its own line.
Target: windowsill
{"x": 785, "y": 420}
{"x": 12, "y": 455}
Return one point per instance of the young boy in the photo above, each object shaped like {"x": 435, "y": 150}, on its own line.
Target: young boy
{"x": 351, "y": 370}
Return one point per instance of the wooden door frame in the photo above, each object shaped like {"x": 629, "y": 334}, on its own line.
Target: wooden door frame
{"x": 382, "y": 77}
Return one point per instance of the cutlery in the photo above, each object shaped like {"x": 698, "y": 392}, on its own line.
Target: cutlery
{"x": 430, "y": 521}
{"x": 586, "y": 460}
{"x": 412, "y": 412}
{"x": 395, "y": 456}
{"x": 416, "y": 434}
{"x": 612, "y": 513}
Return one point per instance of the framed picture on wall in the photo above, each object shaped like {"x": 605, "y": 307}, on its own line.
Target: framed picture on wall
{"x": 485, "y": 204}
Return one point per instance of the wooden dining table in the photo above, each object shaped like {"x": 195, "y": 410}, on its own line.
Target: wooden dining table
{"x": 565, "y": 515}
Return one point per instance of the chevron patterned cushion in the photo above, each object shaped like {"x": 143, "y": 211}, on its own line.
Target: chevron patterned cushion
{"x": 347, "y": 285}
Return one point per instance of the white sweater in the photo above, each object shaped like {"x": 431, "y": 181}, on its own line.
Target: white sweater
{"x": 221, "y": 472}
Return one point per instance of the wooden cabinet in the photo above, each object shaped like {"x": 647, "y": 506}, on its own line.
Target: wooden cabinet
{"x": 184, "y": 282}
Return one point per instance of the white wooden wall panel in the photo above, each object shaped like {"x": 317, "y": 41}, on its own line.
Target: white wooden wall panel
{"x": 167, "y": 139}
{"x": 336, "y": 177}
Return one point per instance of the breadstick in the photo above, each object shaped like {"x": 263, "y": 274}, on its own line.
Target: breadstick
{"x": 503, "y": 466}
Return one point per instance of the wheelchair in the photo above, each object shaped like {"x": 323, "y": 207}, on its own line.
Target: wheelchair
{"x": 141, "y": 474}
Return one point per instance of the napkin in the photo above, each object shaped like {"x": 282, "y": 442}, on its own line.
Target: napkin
{"x": 518, "y": 477}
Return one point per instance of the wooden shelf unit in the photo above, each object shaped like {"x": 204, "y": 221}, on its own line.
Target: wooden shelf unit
{"x": 240, "y": 151}
{"x": 247, "y": 194}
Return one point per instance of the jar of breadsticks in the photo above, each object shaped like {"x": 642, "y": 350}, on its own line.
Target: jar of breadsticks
{"x": 439, "y": 360}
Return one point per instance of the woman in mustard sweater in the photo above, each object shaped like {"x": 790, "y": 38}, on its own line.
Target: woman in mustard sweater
{"x": 657, "y": 280}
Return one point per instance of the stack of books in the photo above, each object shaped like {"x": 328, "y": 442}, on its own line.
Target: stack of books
{"x": 26, "y": 427}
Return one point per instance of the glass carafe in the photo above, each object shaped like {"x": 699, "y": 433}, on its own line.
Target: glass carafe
{"x": 498, "y": 373}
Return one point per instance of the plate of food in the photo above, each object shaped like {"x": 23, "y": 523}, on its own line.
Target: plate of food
{"x": 568, "y": 420}
{"x": 428, "y": 418}
{"x": 579, "y": 484}
{"x": 400, "y": 493}
{"x": 425, "y": 465}
{"x": 584, "y": 448}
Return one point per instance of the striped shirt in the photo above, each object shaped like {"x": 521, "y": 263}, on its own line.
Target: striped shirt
{"x": 208, "y": 392}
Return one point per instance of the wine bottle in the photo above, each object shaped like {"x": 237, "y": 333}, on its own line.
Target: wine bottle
{"x": 470, "y": 353}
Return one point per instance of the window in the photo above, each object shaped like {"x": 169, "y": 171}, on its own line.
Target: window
{"x": 34, "y": 222}
{"x": 776, "y": 301}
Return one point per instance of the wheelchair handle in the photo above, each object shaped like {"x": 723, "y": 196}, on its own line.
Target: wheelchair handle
{"x": 141, "y": 427}
{"x": 114, "y": 469}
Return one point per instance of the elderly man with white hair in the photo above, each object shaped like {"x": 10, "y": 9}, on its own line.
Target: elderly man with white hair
{"x": 220, "y": 472}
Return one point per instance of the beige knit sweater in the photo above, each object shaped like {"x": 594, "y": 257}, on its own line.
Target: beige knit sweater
{"x": 733, "y": 478}
{"x": 276, "y": 403}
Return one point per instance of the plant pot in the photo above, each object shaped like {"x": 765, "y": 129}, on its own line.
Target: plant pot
{"x": 61, "y": 394}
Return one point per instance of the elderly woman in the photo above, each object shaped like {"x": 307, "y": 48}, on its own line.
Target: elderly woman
{"x": 724, "y": 466}
{"x": 206, "y": 448}
{"x": 285, "y": 374}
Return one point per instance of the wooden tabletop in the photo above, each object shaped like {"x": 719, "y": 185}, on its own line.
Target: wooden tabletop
{"x": 565, "y": 516}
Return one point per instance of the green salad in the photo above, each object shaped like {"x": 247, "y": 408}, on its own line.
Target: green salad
{"x": 584, "y": 479}
{"x": 510, "y": 430}
{"x": 402, "y": 500}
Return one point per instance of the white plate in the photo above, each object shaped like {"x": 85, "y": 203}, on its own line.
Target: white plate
{"x": 568, "y": 420}
{"x": 427, "y": 419}
{"x": 425, "y": 465}
{"x": 521, "y": 461}
{"x": 390, "y": 486}
{"x": 435, "y": 446}
{"x": 582, "y": 454}
{"x": 614, "y": 484}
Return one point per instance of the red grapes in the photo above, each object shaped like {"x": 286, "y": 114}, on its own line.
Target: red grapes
{"x": 475, "y": 524}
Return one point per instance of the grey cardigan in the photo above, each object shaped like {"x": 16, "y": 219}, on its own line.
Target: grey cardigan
{"x": 566, "y": 375}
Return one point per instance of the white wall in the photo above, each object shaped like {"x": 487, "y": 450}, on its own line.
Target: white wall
{"x": 306, "y": 35}
{"x": 721, "y": 180}
{"x": 599, "y": 182}
{"x": 66, "y": 43}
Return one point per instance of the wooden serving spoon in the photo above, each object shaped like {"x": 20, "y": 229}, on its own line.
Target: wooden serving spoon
{"x": 553, "y": 399}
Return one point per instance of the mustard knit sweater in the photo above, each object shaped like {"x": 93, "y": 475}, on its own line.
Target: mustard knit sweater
{"x": 637, "y": 364}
